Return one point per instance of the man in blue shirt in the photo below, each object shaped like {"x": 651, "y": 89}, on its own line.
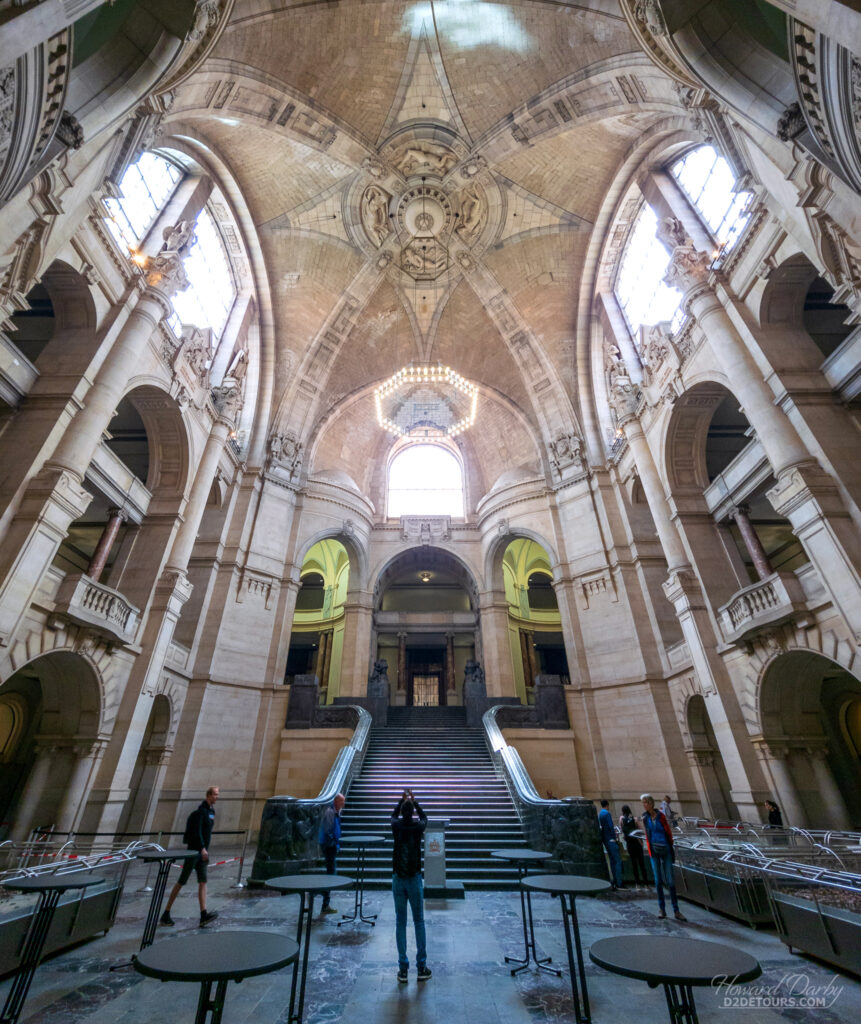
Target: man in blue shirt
{"x": 611, "y": 845}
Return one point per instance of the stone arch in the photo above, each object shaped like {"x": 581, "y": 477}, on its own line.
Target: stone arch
{"x": 356, "y": 552}
{"x": 386, "y": 572}
{"x": 168, "y": 440}
{"x": 498, "y": 546}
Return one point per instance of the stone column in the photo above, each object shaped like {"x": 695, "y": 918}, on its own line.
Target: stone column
{"x": 116, "y": 517}
{"x": 402, "y": 661}
{"x": 321, "y": 657}
{"x": 752, "y": 542}
{"x": 450, "y": 681}
{"x": 495, "y": 647}
{"x": 34, "y": 790}
{"x": 805, "y": 494}
{"x": 356, "y": 657}
{"x": 85, "y": 756}
{"x": 834, "y": 809}
{"x": 531, "y": 659}
{"x": 327, "y": 661}
{"x": 775, "y": 757}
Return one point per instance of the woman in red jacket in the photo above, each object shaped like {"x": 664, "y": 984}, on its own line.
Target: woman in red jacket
{"x": 659, "y": 840}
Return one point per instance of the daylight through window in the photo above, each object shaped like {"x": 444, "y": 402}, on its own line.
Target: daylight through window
{"x": 145, "y": 189}
{"x": 425, "y": 479}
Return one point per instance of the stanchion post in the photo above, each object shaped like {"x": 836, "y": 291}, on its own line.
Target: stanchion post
{"x": 239, "y": 884}
{"x": 146, "y": 887}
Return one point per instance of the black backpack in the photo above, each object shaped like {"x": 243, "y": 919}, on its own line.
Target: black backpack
{"x": 192, "y": 828}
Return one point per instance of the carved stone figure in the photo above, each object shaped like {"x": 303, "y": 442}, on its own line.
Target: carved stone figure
{"x": 424, "y": 258}
{"x": 195, "y": 347}
{"x": 688, "y": 268}
{"x": 286, "y": 451}
{"x": 565, "y": 452}
{"x": 473, "y": 681}
{"x": 672, "y": 233}
{"x": 375, "y": 213}
{"x": 205, "y": 18}
{"x": 374, "y": 166}
{"x": 178, "y": 239}
{"x": 649, "y": 13}
{"x": 378, "y": 680}
{"x": 69, "y": 131}
{"x": 473, "y": 211}
{"x": 425, "y": 156}
{"x": 791, "y": 123}
{"x": 228, "y": 401}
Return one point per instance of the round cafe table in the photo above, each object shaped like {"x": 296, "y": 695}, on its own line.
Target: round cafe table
{"x": 216, "y": 958}
{"x": 522, "y": 859}
{"x": 361, "y": 842}
{"x": 306, "y": 887}
{"x": 568, "y": 888}
{"x": 49, "y": 889}
{"x": 677, "y": 963}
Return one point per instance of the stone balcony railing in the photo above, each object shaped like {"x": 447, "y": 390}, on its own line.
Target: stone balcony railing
{"x": 101, "y": 609}
{"x": 761, "y": 605}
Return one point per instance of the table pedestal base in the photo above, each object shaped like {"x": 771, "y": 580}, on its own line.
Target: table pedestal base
{"x": 153, "y": 913}
{"x": 359, "y": 905}
{"x": 680, "y": 1003}
{"x": 206, "y": 1004}
{"x": 300, "y": 965}
{"x": 529, "y": 949}
{"x": 569, "y": 918}
{"x": 34, "y": 943}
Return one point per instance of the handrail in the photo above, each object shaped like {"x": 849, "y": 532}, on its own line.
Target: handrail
{"x": 566, "y": 828}
{"x": 289, "y": 825}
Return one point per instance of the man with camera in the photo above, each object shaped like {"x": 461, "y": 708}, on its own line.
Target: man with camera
{"x": 408, "y": 824}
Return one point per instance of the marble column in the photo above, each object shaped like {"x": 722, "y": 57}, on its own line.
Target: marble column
{"x": 775, "y": 757}
{"x": 752, "y": 542}
{"x": 450, "y": 681}
{"x": 34, "y": 791}
{"x": 835, "y": 813}
{"x": 531, "y": 657}
{"x": 116, "y": 517}
{"x": 327, "y": 660}
{"x": 356, "y": 656}
{"x": 85, "y": 755}
{"x": 321, "y": 657}
{"x": 495, "y": 647}
{"x": 402, "y": 661}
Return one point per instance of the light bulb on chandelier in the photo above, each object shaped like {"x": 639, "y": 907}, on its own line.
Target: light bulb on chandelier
{"x": 443, "y": 378}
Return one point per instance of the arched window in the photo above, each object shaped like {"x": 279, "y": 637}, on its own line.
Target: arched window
{"x": 707, "y": 180}
{"x": 640, "y": 288}
{"x": 425, "y": 479}
{"x": 144, "y": 191}
{"x": 208, "y": 299}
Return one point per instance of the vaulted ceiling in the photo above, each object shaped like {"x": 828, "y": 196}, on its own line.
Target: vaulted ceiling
{"x": 424, "y": 179}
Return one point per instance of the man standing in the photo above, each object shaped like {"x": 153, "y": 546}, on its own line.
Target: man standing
{"x": 330, "y": 843}
{"x": 659, "y": 841}
{"x": 611, "y": 845}
{"x": 408, "y": 824}
{"x": 198, "y": 832}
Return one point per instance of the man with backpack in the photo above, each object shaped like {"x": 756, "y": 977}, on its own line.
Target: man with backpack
{"x": 198, "y": 832}
{"x": 408, "y": 824}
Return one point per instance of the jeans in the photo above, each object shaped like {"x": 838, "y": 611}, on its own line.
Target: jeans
{"x": 329, "y": 854}
{"x": 612, "y": 848}
{"x": 409, "y": 890}
{"x": 638, "y": 861}
{"x": 662, "y": 869}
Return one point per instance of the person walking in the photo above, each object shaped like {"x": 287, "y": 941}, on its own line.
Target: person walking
{"x": 330, "y": 843}
{"x": 659, "y": 840}
{"x": 668, "y": 812}
{"x": 408, "y": 824}
{"x": 627, "y": 826}
{"x": 611, "y": 845}
{"x": 198, "y": 833}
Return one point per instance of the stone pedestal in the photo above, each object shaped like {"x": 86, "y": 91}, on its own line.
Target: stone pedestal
{"x": 550, "y": 703}
{"x": 303, "y": 700}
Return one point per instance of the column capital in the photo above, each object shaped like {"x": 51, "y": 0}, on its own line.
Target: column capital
{"x": 118, "y": 513}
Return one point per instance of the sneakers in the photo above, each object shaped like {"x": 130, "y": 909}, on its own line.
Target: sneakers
{"x": 328, "y": 910}
{"x": 166, "y": 919}
{"x": 403, "y": 975}
{"x": 207, "y": 916}
{"x": 679, "y": 916}
{"x": 662, "y": 914}
{"x": 424, "y": 973}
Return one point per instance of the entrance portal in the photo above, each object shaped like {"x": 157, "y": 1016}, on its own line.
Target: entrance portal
{"x": 427, "y": 682}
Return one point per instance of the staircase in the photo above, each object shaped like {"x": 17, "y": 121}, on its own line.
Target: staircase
{"x": 448, "y": 766}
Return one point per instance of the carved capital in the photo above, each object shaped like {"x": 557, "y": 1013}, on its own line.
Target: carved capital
{"x": 689, "y": 268}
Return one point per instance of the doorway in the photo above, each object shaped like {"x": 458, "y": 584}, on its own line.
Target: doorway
{"x": 426, "y": 686}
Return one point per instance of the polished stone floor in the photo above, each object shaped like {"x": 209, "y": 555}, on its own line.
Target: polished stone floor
{"x": 352, "y": 971}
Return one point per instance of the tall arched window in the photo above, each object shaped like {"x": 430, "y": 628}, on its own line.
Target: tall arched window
{"x": 144, "y": 191}
{"x": 209, "y": 297}
{"x": 707, "y": 180}
{"x": 425, "y": 479}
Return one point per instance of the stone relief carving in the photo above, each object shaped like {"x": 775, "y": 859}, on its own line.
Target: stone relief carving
{"x": 790, "y": 123}
{"x": 228, "y": 400}
{"x": 427, "y": 157}
{"x": 165, "y": 270}
{"x": 375, "y": 167}
{"x": 7, "y": 109}
{"x": 473, "y": 680}
{"x": 375, "y": 214}
{"x": 688, "y": 268}
{"x": 424, "y": 257}
{"x": 286, "y": 452}
{"x": 648, "y": 13}
{"x": 473, "y": 167}
{"x": 378, "y": 680}
{"x": 194, "y": 346}
{"x": 425, "y": 528}
{"x": 69, "y": 131}
{"x": 565, "y": 454}
{"x": 473, "y": 211}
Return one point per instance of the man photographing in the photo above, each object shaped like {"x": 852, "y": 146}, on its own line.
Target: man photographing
{"x": 408, "y": 824}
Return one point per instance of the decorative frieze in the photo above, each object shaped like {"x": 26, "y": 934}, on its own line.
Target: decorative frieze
{"x": 425, "y": 529}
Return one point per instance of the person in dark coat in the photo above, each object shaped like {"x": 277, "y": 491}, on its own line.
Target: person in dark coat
{"x": 408, "y": 825}
{"x": 627, "y": 826}
{"x": 330, "y": 843}
{"x": 198, "y": 833}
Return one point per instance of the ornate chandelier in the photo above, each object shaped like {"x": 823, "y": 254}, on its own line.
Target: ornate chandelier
{"x": 426, "y": 397}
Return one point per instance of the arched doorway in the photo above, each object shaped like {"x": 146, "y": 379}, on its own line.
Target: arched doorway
{"x": 317, "y": 637}
{"x": 49, "y": 716}
{"x": 425, "y": 622}
{"x": 810, "y": 709}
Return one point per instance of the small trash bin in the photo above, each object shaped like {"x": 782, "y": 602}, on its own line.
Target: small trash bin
{"x": 435, "y": 884}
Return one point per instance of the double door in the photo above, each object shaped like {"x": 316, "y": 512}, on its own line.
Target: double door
{"x": 426, "y": 682}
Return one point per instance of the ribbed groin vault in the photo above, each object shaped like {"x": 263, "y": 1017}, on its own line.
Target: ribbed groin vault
{"x": 425, "y": 342}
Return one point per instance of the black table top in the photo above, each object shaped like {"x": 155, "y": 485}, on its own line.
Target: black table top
{"x": 44, "y": 883}
{"x": 565, "y": 885}
{"x": 673, "y": 960}
{"x": 216, "y": 956}
{"x": 362, "y": 840}
{"x": 309, "y": 883}
{"x": 175, "y": 854}
{"x": 521, "y": 855}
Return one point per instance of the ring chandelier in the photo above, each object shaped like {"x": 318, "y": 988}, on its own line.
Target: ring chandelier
{"x": 439, "y": 379}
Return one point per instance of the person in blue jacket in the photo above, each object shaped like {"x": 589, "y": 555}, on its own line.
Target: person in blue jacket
{"x": 611, "y": 844}
{"x": 659, "y": 840}
{"x": 330, "y": 842}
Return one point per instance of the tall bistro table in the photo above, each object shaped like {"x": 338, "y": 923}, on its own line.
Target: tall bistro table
{"x": 306, "y": 887}
{"x": 216, "y": 958}
{"x": 568, "y": 888}
{"x": 49, "y": 889}
{"x": 522, "y": 859}
{"x": 676, "y": 963}
{"x": 164, "y": 859}
{"x": 361, "y": 842}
